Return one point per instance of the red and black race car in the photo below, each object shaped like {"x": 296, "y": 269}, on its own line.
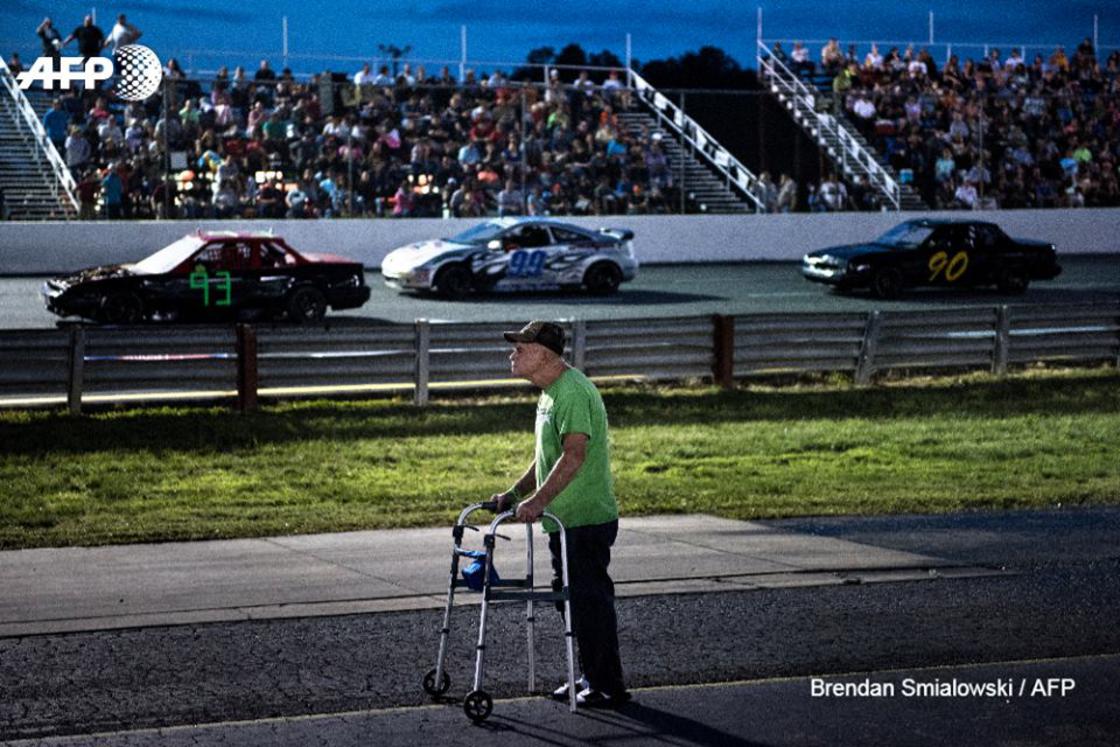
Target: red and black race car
{"x": 212, "y": 276}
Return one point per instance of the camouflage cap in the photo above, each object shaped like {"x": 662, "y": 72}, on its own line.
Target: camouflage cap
{"x": 543, "y": 333}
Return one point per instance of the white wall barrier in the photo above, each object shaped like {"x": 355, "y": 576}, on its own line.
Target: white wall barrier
{"x": 46, "y": 248}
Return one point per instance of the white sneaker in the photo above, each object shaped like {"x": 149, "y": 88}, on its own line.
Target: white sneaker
{"x": 561, "y": 693}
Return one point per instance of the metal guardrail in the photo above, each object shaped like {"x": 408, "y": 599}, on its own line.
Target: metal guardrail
{"x": 692, "y": 133}
{"x": 44, "y": 147}
{"x": 852, "y": 155}
{"x": 121, "y": 363}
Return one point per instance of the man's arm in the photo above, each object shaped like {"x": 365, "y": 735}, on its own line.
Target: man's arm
{"x": 525, "y": 484}
{"x": 565, "y": 469}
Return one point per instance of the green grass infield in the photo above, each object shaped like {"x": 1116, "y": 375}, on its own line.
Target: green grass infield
{"x": 1035, "y": 439}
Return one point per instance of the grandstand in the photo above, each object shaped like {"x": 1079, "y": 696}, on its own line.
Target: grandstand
{"x": 897, "y": 132}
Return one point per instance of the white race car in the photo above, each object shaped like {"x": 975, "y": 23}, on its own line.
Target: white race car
{"x": 515, "y": 254}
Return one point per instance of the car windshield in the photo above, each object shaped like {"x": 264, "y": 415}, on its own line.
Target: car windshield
{"x": 169, "y": 257}
{"x": 905, "y": 235}
{"x": 479, "y": 234}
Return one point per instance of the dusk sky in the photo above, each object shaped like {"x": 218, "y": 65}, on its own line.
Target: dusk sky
{"x": 505, "y": 32}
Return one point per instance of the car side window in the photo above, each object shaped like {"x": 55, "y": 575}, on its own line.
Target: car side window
{"x": 564, "y": 236}
{"x": 986, "y": 239}
{"x": 227, "y": 256}
{"x": 273, "y": 255}
{"x": 943, "y": 240}
{"x": 527, "y": 237}
{"x": 211, "y": 257}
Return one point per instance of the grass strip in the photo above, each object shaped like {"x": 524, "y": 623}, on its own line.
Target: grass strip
{"x": 921, "y": 446}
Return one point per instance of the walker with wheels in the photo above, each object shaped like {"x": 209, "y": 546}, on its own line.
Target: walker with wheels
{"x": 478, "y": 704}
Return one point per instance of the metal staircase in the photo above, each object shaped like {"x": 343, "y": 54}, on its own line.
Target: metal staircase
{"x": 704, "y": 189}
{"x": 845, "y": 147}
{"x": 909, "y": 197}
{"x": 713, "y": 178}
{"x": 36, "y": 183}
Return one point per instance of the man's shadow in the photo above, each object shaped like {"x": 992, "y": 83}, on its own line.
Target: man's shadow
{"x": 632, "y": 723}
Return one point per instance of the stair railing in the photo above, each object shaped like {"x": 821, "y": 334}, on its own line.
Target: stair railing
{"x": 46, "y": 155}
{"x": 849, "y": 154}
{"x": 673, "y": 117}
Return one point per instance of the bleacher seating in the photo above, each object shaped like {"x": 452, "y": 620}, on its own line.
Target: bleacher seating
{"x": 326, "y": 147}
{"x": 994, "y": 132}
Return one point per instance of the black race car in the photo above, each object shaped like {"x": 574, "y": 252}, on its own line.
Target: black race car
{"x": 212, "y": 276}
{"x": 927, "y": 252}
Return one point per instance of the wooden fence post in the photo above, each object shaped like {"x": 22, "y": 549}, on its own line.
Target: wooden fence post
{"x": 723, "y": 347}
{"x": 246, "y": 368}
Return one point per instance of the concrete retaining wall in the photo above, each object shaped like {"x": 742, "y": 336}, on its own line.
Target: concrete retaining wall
{"x": 45, "y": 248}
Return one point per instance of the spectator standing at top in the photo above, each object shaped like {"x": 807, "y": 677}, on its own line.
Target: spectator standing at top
{"x": 122, "y": 34}
{"x": 51, "y": 39}
{"x": 90, "y": 39}
{"x": 832, "y": 58}
{"x": 800, "y": 59}
{"x": 363, "y": 76}
{"x": 15, "y": 64}
{"x": 264, "y": 72}
{"x": 873, "y": 60}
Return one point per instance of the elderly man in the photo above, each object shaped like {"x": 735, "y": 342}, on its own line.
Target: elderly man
{"x": 571, "y": 476}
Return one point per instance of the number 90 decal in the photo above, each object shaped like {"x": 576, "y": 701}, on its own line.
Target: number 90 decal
{"x": 523, "y": 264}
{"x": 953, "y": 268}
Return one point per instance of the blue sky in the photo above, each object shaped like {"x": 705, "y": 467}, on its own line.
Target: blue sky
{"x": 507, "y": 31}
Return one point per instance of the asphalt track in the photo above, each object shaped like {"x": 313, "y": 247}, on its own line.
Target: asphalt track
{"x": 729, "y": 667}
{"x": 665, "y": 291}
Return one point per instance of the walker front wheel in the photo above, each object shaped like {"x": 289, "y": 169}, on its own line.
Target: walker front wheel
{"x": 477, "y": 705}
{"x": 430, "y": 686}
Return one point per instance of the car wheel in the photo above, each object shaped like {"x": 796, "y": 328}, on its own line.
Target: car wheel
{"x": 453, "y": 281}
{"x": 886, "y": 283}
{"x": 307, "y": 304}
{"x": 602, "y": 278}
{"x": 1013, "y": 280}
{"x": 121, "y": 308}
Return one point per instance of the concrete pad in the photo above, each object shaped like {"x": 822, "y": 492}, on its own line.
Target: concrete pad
{"x": 68, "y": 589}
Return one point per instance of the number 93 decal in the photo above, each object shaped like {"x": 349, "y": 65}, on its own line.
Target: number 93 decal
{"x": 953, "y": 268}
{"x": 523, "y": 264}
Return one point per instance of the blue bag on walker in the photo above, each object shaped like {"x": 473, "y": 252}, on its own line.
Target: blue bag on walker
{"x": 473, "y": 573}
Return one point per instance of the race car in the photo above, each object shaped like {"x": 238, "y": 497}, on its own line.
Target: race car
{"x": 212, "y": 276}
{"x": 515, "y": 254}
{"x": 940, "y": 253}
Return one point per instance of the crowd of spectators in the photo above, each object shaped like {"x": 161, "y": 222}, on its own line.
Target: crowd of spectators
{"x": 988, "y": 133}
{"x": 386, "y": 143}
{"x": 984, "y": 133}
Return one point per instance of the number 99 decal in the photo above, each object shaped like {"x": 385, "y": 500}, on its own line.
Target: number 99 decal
{"x": 953, "y": 268}
{"x": 523, "y": 264}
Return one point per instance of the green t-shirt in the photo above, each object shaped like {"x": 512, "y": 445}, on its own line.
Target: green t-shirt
{"x": 572, "y": 404}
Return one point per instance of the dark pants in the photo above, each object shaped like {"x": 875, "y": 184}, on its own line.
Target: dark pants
{"x": 593, "y": 617}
